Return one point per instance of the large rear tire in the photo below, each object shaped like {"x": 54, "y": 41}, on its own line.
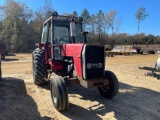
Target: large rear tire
{"x": 111, "y": 90}
{"x": 40, "y": 73}
{"x": 59, "y": 93}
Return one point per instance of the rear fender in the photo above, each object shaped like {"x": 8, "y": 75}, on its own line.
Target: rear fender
{"x": 47, "y": 51}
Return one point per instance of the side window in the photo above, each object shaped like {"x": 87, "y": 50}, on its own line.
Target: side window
{"x": 44, "y": 34}
{"x": 79, "y": 37}
{"x": 49, "y": 37}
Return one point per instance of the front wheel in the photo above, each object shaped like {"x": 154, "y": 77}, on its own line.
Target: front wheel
{"x": 112, "y": 89}
{"x": 59, "y": 93}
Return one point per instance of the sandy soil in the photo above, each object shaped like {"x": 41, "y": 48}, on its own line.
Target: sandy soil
{"x": 138, "y": 97}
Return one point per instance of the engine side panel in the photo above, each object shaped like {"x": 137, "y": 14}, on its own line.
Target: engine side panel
{"x": 75, "y": 51}
{"x": 78, "y": 66}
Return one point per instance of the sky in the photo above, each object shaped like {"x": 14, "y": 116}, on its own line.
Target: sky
{"x": 126, "y": 11}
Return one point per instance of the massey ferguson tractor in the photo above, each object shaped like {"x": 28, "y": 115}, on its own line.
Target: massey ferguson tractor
{"x": 65, "y": 52}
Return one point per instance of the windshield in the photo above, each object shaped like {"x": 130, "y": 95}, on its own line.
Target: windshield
{"x": 62, "y": 32}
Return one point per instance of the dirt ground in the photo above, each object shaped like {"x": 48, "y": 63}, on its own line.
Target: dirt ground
{"x": 138, "y": 97}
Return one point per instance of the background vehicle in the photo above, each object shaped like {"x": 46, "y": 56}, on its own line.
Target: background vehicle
{"x": 124, "y": 50}
{"x": 64, "y": 50}
{"x": 3, "y": 51}
{"x": 137, "y": 50}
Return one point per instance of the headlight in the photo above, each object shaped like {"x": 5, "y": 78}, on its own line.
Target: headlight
{"x": 100, "y": 65}
{"x": 89, "y": 65}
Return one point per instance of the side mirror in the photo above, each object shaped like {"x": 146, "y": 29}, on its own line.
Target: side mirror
{"x": 73, "y": 29}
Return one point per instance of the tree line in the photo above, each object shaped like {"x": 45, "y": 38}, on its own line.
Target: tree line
{"x": 21, "y": 27}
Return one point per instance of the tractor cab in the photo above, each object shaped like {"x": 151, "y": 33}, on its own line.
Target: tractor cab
{"x": 62, "y": 30}
{"x": 59, "y": 30}
{"x": 65, "y": 52}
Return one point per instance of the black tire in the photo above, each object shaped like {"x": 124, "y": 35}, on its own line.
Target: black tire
{"x": 111, "y": 90}
{"x": 59, "y": 93}
{"x": 40, "y": 73}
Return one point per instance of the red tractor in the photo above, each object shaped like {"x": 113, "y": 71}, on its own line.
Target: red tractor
{"x": 64, "y": 51}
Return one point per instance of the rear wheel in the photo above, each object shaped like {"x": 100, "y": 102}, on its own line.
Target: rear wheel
{"x": 112, "y": 89}
{"x": 59, "y": 93}
{"x": 39, "y": 67}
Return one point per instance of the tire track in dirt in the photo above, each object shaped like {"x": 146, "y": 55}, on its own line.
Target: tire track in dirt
{"x": 47, "y": 103}
{"x": 43, "y": 98}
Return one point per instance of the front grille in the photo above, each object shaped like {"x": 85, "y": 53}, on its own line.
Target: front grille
{"x": 94, "y": 54}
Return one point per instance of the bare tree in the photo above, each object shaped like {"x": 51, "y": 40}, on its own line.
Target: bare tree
{"x": 110, "y": 19}
{"x": 100, "y": 22}
{"x": 48, "y": 5}
{"x": 47, "y": 9}
{"x": 86, "y": 16}
{"x": 140, "y": 16}
{"x": 92, "y": 28}
{"x": 92, "y": 22}
{"x": 109, "y": 22}
{"x": 118, "y": 24}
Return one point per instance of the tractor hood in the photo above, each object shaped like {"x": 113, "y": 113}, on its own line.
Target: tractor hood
{"x": 72, "y": 50}
{"x": 89, "y": 59}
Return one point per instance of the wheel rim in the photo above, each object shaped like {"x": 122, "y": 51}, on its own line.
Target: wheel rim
{"x": 54, "y": 96}
{"x": 105, "y": 88}
{"x": 55, "y": 99}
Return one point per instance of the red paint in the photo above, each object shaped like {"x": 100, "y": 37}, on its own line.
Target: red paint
{"x": 78, "y": 66}
{"x": 56, "y": 65}
{"x": 47, "y": 48}
{"x": 72, "y": 50}
{"x": 75, "y": 51}
{"x": 48, "y": 54}
{"x": 39, "y": 45}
